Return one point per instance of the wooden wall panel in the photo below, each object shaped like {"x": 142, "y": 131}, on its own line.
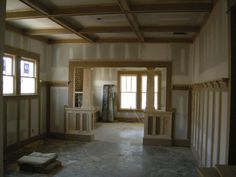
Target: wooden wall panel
{"x": 24, "y": 119}
{"x": 210, "y": 123}
{"x": 34, "y": 117}
{"x": 11, "y": 122}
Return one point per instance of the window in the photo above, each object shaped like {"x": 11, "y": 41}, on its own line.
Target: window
{"x": 133, "y": 90}
{"x": 19, "y": 73}
{"x": 128, "y": 92}
{"x": 8, "y": 75}
{"x": 27, "y": 77}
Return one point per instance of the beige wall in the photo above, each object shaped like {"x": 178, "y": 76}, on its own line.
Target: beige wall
{"x": 210, "y": 119}
{"x": 210, "y": 49}
{"x": 2, "y": 24}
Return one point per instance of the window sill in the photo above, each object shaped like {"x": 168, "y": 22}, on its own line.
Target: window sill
{"x": 22, "y": 95}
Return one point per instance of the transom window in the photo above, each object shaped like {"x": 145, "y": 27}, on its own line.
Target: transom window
{"x": 132, "y": 88}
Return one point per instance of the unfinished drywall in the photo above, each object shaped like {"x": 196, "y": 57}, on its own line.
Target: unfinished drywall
{"x": 210, "y": 119}
{"x": 210, "y": 49}
{"x": 28, "y": 114}
{"x": 2, "y": 32}
{"x": 178, "y": 53}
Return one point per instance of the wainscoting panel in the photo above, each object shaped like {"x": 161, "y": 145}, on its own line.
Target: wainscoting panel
{"x": 210, "y": 122}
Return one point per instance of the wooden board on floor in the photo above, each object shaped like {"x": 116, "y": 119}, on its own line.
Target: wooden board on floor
{"x": 226, "y": 171}
{"x": 208, "y": 172}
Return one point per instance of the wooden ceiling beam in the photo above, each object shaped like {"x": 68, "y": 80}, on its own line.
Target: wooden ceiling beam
{"x": 127, "y": 40}
{"x": 112, "y": 9}
{"x": 171, "y": 7}
{"x": 36, "y": 5}
{"x": 122, "y": 29}
{"x": 124, "y": 6}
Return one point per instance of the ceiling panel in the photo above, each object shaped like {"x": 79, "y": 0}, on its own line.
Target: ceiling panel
{"x": 63, "y": 36}
{"x": 116, "y": 35}
{"x": 170, "y": 18}
{"x": 167, "y": 35}
{"x": 102, "y": 20}
{"x": 42, "y": 23}
{"x": 16, "y": 5}
{"x": 167, "y": 1}
{"x": 61, "y": 3}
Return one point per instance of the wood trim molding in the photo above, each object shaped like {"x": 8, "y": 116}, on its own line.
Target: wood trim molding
{"x": 21, "y": 52}
{"x": 54, "y": 83}
{"x": 181, "y": 87}
{"x": 221, "y": 84}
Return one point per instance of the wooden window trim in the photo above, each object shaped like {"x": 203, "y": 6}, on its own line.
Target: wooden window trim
{"x": 20, "y": 54}
{"x": 139, "y": 75}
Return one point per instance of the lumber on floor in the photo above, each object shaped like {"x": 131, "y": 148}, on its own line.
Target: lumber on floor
{"x": 218, "y": 171}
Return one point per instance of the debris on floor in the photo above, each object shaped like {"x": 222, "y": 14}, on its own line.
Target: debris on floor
{"x": 39, "y": 162}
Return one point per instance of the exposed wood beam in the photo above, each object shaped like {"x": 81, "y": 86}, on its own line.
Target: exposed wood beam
{"x": 128, "y": 40}
{"x": 130, "y": 17}
{"x": 171, "y": 7}
{"x": 36, "y": 5}
{"x": 112, "y": 9}
{"x": 122, "y": 29}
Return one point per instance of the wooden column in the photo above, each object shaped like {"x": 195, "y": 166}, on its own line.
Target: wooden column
{"x": 232, "y": 95}
{"x": 87, "y": 89}
{"x": 150, "y": 90}
{"x": 2, "y": 30}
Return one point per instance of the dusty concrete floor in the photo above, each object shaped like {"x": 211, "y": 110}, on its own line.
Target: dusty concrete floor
{"x": 115, "y": 156}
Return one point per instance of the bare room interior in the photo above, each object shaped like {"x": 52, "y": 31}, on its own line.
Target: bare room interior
{"x": 123, "y": 88}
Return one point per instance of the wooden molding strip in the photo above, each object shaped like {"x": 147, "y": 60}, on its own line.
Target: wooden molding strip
{"x": 54, "y": 83}
{"x": 122, "y": 40}
{"x": 181, "y": 87}
{"x": 111, "y": 29}
{"x": 216, "y": 84}
{"x": 111, "y": 9}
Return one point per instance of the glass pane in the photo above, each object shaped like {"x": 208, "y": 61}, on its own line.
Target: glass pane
{"x": 27, "y": 85}
{"x": 144, "y": 96}
{"x": 27, "y": 68}
{"x": 7, "y": 65}
{"x": 134, "y": 83}
{"x": 128, "y": 84}
{"x": 123, "y": 83}
{"x": 144, "y": 83}
{"x": 156, "y": 83}
{"x": 8, "y": 84}
{"x": 156, "y": 100}
{"x": 128, "y": 101}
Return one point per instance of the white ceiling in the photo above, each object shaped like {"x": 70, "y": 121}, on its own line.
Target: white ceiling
{"x": 64, "y": 36}
{"x": 102, "y": 20}
{"x": 167, "y": 35}
{"x": 42, "y": 23}
{"x": 16, "y": 5}
{"x": 117, "y": 35}
{"x": 186, "y": 18}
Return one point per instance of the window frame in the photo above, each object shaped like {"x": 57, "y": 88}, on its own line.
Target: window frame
{"x": 139, "y": 75}
{"x": 20, "y": 54}
{"x": 13, "y": 57}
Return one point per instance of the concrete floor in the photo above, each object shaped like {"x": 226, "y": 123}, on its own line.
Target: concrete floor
{"x": 115, "y": 153}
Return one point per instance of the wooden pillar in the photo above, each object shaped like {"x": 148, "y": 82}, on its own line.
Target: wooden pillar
{"x": 150, "y": 90}
{"x": 87, "y": 89}
{"x": 2, "y": 37}
{"x": 232, "y": 76}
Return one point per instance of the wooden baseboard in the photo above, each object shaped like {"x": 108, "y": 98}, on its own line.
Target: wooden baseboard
{"x": 157, "y": 142}
{"x": 125, "y": 119}
{"x": 181, "y": 143}
{"x": 16, "y": 146}
{"x": 62, "y": 136}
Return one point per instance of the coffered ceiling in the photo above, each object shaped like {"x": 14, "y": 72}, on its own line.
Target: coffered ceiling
{"x": 62, "y": 21}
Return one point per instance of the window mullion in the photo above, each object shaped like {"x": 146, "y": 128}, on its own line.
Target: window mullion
{"x": 17, "y": 75}
{"x": 139, "y": 92}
